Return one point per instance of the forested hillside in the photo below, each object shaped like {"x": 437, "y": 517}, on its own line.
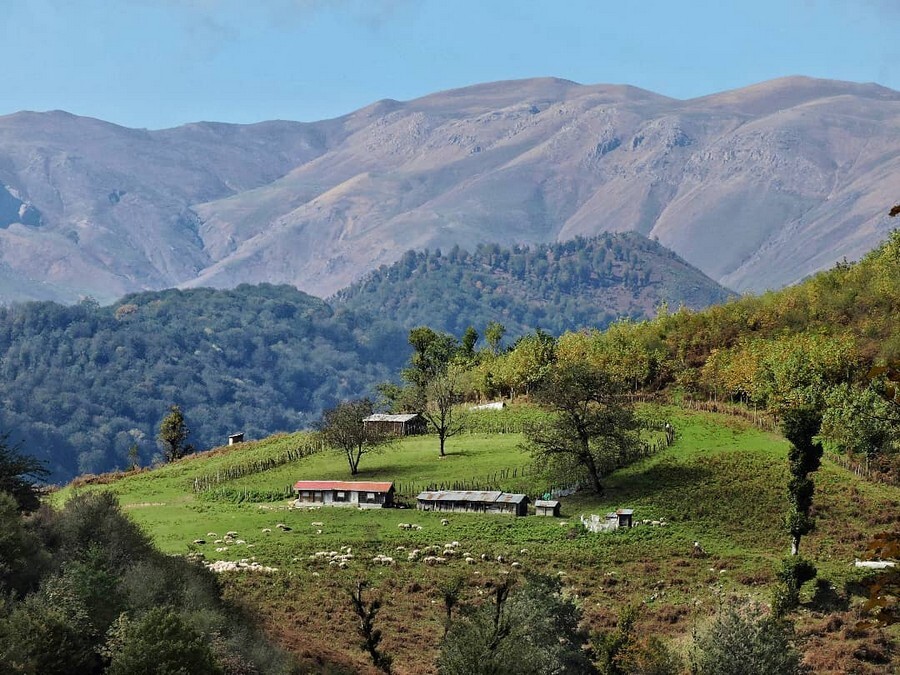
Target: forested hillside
{"x": 583, "y": 283}
{"x": 829, "y": 343}
{"x": 81, "y": 385}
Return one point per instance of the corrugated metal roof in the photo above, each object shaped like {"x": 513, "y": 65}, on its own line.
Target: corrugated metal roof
{"x": 512, "y": 498}
{"x": 380, "y": 417}
{"x": 551, "y": 503}
{"x": 625, "y": 512}
{"x": 349, "y": 486}
{"x": 460, "y": 496}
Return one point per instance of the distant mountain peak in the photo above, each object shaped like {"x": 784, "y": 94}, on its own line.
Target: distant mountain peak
{"x": 758, "y": 186}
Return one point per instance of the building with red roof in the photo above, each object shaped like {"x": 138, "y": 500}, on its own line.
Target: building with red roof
{"x": 362, "y": 494}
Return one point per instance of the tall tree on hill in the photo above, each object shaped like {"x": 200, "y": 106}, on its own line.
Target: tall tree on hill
{"x": 343, "y": 428}
{"x": 439, "y": 400}
{"x": 173, "y": 434}
{"x": 801, "y": 425}
{"x": 592, "y": 423}
{"x": 434, "y": 382}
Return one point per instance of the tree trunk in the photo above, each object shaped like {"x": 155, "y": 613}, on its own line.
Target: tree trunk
{"x": 441, "y": 436}
{"x": 795, "y": 544}
{"x": 595, "y": 475}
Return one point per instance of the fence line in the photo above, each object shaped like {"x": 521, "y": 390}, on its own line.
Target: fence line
{"x": 769, "y": 422}
{"x": 212, "y": 480}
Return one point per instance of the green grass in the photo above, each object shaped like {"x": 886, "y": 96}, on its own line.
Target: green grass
{"x": 722, "y": 483}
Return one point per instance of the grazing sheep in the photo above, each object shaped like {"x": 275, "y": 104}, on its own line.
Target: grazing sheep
{"x": 416, "y": 527}
{"x": 217, "y": 541}
{"x": 524, "y": 551}
{"x": 267, "y": 529}
{"x": 484, "y": 556}
{"x": 404, "y": 526}
{"x": 231, "y": 534}
{"x": 517, "y": 565}
{"x": 470, "y": 561}
{"x": 501, "y": 559}
{"x": 317, "y": 524}
{"x": 199, "y": 541}
{"x": 445, "y": 522}
{"x": 211, "y": 535}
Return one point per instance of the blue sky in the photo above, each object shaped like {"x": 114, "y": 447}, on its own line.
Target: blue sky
{"x": 160, "y": 63}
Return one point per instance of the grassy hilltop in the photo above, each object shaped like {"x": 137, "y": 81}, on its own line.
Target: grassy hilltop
{"x": 722, "y": 483}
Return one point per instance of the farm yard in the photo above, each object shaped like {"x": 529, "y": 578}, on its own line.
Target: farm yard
{"x": 721, "y": 484}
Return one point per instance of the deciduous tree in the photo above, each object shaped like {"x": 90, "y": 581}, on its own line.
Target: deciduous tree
{"x": 343, "y": 428}
{"x": 591, "y": 421}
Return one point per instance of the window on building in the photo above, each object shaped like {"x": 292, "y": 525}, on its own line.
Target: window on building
{"x": 340, "y": 496}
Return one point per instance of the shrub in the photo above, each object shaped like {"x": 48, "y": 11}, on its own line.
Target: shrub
{"x": 743, "y": 640}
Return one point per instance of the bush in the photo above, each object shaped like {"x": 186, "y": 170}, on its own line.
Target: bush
{"x": 159, "y": 643}
{"x": 744, "y": 640}
{"x": 531, "y": 631}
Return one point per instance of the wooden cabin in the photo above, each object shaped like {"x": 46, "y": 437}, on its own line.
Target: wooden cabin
{"x": 546, "y": 507}
{"x": 362, "y": 494}
{"x": 473, "y": 501}
{"x": 409, "y": 424}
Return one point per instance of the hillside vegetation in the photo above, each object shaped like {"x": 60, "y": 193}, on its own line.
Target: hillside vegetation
{"x": 814, "y": 343}
{"x": 721, "y": 483}
{"x": 81, "y": 385}
{"x": 583, "y": 283}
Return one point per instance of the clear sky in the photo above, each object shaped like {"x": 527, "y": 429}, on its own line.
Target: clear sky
{"x": 160, "y": 63}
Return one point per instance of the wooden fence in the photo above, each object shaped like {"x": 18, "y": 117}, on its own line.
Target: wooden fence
{"x": 229, "y": 473}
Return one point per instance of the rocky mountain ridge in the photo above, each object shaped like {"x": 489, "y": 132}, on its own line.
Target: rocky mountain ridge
{"x": 757, "y": 187}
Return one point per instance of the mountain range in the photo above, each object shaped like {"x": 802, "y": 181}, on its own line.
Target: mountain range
{"x": 757, "y": 187}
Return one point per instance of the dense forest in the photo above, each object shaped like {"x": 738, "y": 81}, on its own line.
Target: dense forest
{"x": 85, "y": 387}
{"x": 583, "y": 283}
{"x": 82, "y": 385}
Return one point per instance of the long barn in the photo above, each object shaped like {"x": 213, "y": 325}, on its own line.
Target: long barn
{"x": 473, "y": 501}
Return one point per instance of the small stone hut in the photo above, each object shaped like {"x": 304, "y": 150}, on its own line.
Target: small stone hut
{"x": 409, "y": 424}
{"x": 473, "y": 501}
{"x": 546, "y": 507}
{"x": 234, "y": 439}
{"x": 362, "y": 494}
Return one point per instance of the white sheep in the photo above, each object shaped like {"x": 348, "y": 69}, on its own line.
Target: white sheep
{"x": 445, "y": 522}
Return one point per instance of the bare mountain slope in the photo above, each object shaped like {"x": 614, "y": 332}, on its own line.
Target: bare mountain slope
{"x": 758, "y": 187}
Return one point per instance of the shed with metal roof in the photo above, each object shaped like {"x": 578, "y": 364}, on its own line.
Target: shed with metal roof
{"x": 407, "y": 424}
{"x": 473, "y": 501}
{"x": 546, "y": 507}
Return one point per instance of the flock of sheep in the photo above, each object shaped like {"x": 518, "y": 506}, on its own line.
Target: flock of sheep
{"x": 429, "y": 555}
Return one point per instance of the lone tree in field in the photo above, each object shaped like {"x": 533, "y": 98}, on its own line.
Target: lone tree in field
{"x": 343, "y": 428}
{"x": 173, "y": 434}
{"x": 438, "y": 400}
{"x": 434, "y": 383}
{"x": 591, "y": 427}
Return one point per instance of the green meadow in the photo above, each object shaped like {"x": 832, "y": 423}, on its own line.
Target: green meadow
{"x": 722, "y": 484}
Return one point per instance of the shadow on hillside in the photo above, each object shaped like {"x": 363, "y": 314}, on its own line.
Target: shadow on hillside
{"x": 661, "y": 478}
